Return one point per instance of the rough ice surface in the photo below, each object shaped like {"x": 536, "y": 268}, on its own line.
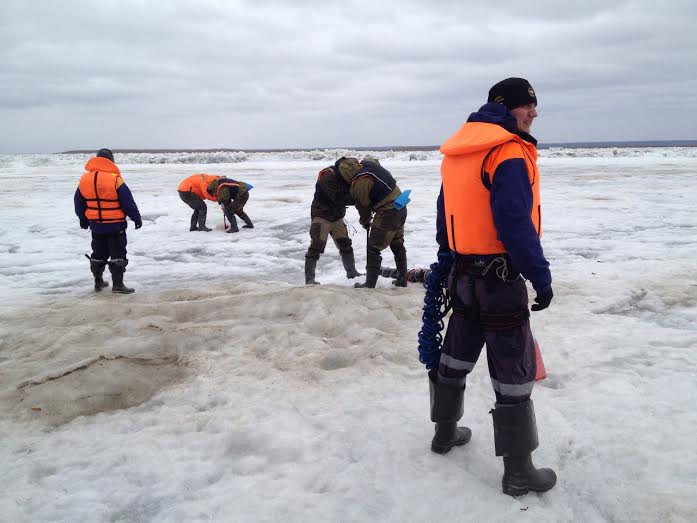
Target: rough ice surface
{"x": 226, "y": 390}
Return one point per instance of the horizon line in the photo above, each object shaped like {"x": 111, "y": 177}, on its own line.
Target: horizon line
{"x": 596, "y": 144}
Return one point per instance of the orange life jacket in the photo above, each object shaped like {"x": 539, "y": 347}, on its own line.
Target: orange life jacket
{"x": 472, "y": 156}
{"x": 197, "y": 184}
{"x": 98, "y": 187}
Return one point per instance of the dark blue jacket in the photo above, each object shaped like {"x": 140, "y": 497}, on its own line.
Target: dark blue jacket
{"x": 511, "y": 206}
{"x": 383, "y": 181}
{"x": 127, "y": 203}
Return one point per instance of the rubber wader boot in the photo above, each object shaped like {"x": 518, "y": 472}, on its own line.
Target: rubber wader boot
{"x": 310, "y": 266}
{"x": 372, "y": 267}
{"x": 117, "y": 268}
{"x": 247, "y": 222}
{"x": 371, "y": 278}
{"x": 349, "y": 262}
{"x": 447, "y": 397}
{"x": 203, "y": 213}
{"x": 515, "y": 437}
{"x": 194, "y": 221}
{"x": 401, "y": 261}
{"x": 233, "y": 223}
{"x": 97, "y": 269}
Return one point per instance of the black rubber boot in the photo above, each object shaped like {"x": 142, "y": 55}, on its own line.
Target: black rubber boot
{"x": 400, "y": 259}
{"x": 194, "y": 221}
{"x": 117, "y": 268}
{"x": 97, "y": 268}
{"x": 247, "y": 222}
{"x": 233, "y": 223}
{"x": 202, "y": 214}
{"x": 371, "y": 278}
{"x": 349, "y": 262}
{"x": 372, "y": 268}
{"x": 515, "y": 437}
{"x": 310, "y": 266}
{"x": 447, "y": 397}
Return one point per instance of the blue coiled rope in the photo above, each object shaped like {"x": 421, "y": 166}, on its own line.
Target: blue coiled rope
{"x": 436, "y": 306}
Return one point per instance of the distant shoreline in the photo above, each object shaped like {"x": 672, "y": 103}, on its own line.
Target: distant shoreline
{"x": 572, "y": 145}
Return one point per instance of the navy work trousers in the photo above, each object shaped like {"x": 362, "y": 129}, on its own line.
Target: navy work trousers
{"x": 488, "y": 310}
{"x": 105, "y": 246}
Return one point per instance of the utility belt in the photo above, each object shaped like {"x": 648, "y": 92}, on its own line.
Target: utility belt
{"x": 492, "y": 267}
{"x": 495, "y": 321}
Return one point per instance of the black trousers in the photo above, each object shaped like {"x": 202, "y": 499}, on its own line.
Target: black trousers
{"x": 105, "y": 246}
{"x": 192, "y": 200}
{"x": 491, "y": 311}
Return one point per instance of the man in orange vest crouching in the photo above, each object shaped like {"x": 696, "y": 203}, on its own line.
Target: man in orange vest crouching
{"x": 102, "y": 202}
{"x": 192, "y": 191}
{"x": 489, "y": 221}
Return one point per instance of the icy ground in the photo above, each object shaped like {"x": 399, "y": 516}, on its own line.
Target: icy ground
{"x": 225, "y": 390}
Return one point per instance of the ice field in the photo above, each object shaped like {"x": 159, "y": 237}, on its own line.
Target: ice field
{"x": 226, "y": 390}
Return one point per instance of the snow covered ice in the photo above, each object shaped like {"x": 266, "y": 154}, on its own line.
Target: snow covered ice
{"x": 226, "y": 390}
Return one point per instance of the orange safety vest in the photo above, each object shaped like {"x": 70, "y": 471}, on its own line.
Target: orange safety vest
{"x": 472, "y": 156}
{"x": 197, "y": 184}
{"x": 98, "y": 187}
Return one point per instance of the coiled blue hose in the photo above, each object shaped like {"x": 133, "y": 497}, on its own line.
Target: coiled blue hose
{"x": 436, "y": 306}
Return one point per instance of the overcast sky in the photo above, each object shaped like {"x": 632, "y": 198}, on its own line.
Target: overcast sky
{"x": 304, "y": 73}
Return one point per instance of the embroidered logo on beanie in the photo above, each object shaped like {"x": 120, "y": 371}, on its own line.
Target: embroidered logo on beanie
{"x": 513, "y": 92}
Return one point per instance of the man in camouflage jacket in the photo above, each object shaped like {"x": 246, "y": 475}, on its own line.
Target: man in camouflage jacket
{"x": 374, "y": 192}
{"x": 327, "y": 212}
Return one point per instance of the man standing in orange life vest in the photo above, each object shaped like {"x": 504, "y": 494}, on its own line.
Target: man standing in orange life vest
{"x": 489, "y": 220}
{"x": 192, "y": 191}
{"x": 102, "y": 202}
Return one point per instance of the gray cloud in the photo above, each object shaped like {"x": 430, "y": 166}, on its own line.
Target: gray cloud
{"x": 268, "y": 73}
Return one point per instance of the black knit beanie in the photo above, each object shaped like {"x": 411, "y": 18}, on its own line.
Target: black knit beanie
{"x": 105, "y": 153}
{"x": 512, "y": 92}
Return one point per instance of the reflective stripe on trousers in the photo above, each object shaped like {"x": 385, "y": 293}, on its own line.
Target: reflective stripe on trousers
{"x": 510, "y": 351}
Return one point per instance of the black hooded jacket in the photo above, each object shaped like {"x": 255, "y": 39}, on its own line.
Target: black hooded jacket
{"x": 331, "y": 196}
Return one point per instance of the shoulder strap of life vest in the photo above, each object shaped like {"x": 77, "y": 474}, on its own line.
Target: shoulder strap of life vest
{"x": 486, "y": 177}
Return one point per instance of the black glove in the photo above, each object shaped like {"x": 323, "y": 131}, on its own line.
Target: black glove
{"x": 84, "y": 224}
{"x": 542, "y": 300}
{"x": 139, "y": 224}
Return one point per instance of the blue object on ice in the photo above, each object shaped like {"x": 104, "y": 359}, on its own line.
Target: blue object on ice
{"x": 436, "y": 306}
{"x": 249, "y": 186}
{"x": 402, "y": 200}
